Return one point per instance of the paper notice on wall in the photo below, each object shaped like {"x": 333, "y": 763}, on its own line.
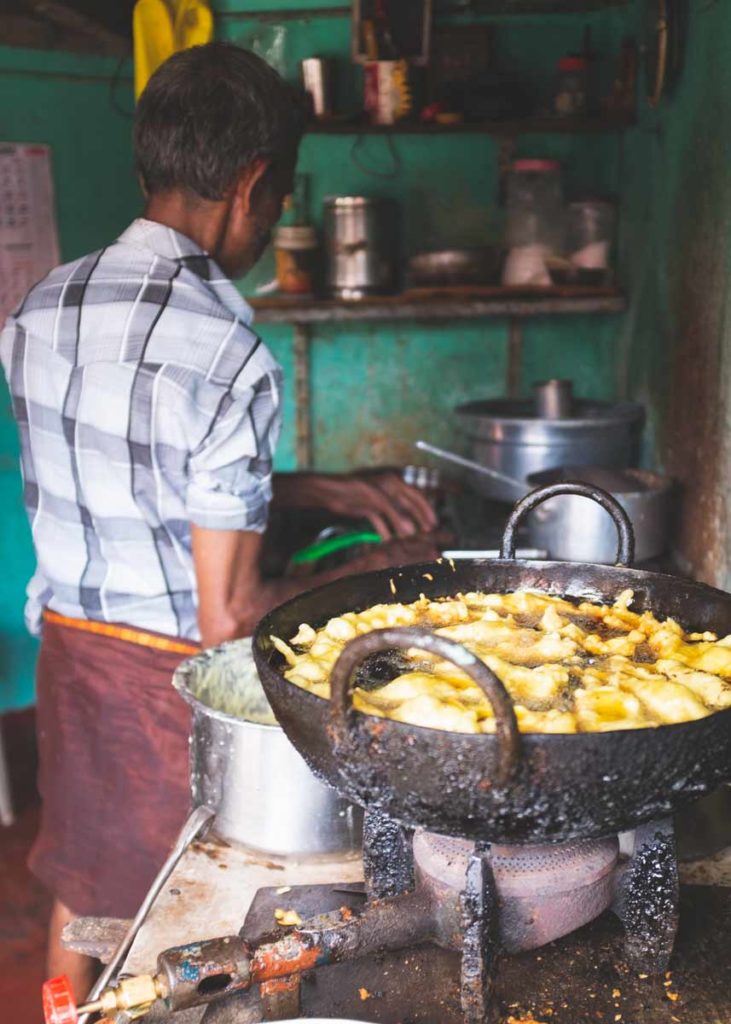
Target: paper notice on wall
{"x": 28, "y": 233}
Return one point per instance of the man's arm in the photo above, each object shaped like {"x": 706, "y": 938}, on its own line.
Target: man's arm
{"x": 226, "y": 500}
{"x": 393, "y": 507}
{"x": 233, "y": 596}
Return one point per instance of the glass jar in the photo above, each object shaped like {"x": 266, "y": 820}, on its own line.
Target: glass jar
{"x": 535, "y": 219}
{"x": 572, "y": 90}
{"x": 590, "y": 226}
{"x": 296, "y": 253}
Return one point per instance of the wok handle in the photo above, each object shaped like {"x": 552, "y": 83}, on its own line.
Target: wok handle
{"x": 403, "y": 638}
{"x": 626, "y": 535}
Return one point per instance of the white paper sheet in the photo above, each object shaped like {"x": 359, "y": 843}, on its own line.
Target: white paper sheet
{"x": 28, "y": 233}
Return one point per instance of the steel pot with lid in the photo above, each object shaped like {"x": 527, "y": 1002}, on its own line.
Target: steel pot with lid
{"x": 512, "y": 437}
{"x": 243, "y": 766}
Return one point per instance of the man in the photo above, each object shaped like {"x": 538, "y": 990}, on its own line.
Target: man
{"x": 148, "y": 414}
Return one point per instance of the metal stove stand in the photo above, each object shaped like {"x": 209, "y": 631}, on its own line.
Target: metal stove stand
{"x": 614, "y": 969}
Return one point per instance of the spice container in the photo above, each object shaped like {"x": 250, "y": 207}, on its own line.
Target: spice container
{"x": 534, "y": 227}
{"x": 296, "y": 254}
{"x": 572, "y": 91}
{"x": 589, "y": 233}
{"x": 387, "y": 94}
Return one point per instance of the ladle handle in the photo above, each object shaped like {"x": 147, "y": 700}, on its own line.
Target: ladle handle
{"x": 404, "y": 638}
{"x": 474, "y": 467}
{"x": 626, "y": 535}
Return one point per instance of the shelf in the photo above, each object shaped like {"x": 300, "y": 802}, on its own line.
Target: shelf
{"x": 270, "y": 12}
{"x": 446, "y": 304}
{"x": 541, "y": 7}
{"x": 522, "y": 126}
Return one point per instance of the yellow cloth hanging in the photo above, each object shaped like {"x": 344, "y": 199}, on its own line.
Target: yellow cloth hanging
{"x": 161, "y": 28}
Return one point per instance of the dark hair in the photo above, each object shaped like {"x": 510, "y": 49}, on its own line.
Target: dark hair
{"x": 209, "y": 111}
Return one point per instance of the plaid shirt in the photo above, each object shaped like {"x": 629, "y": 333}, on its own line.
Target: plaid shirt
{"x": 144, "y": 403}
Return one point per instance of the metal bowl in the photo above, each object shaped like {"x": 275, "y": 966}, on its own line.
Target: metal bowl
{"x": 447, "y": 267}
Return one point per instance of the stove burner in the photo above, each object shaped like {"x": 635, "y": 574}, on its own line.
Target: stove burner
{"x": 543, "y": 892}
{"x": 540, "y": 869}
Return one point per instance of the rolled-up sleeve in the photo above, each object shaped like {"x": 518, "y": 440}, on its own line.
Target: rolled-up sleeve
{"x": 230, "y": 473}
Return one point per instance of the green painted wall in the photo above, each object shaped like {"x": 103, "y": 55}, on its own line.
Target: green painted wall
{"x": 68, "y": 102}
{"x": 676, "y": 349}
{"x": 447, "y": 189}
{"x": 375, "y": 388}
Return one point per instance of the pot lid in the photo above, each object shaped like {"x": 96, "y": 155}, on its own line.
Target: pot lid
{"x": 522, "y": 410}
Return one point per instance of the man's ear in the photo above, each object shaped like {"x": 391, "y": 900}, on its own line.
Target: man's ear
{"x": 249, "y": 178}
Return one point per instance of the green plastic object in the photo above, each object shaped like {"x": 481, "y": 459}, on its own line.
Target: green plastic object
{"x": 333, "y": 544}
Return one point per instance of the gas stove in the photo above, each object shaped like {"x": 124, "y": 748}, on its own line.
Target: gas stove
{"x": 476, "y": 901}
{"x": 443, "y": 931}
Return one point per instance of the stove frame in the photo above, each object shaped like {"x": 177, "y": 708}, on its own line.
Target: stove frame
{"x": 404, "y": 908}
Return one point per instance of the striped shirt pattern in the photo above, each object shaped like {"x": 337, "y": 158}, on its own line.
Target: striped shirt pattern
{"x": 144, "y": 403}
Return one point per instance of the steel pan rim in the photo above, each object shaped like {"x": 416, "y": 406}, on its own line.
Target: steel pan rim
{"x": 658, "y": 484}
{"x": 641, "y": 575}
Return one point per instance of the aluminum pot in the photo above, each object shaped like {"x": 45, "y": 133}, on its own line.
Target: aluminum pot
{"x": 575, "y": 529}
{"x": 360, "y": 246}
{"x": 507, "y": 435}
{"x": 244, "y": 767}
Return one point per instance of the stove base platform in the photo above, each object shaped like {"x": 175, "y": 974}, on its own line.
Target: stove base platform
{"x": 580, "y": 979}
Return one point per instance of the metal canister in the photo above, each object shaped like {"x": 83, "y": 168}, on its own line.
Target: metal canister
{"x": 360, "y": 245}
{"x": 245, "y": 769}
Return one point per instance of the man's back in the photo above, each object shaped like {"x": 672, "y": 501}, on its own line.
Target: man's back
{"x": 144, "y": 403}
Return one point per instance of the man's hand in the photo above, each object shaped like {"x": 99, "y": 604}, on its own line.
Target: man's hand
{"x": 394, "y": 508}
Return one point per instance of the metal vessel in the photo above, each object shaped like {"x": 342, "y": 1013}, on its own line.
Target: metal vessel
{"x": 445, "y": 267}
{"x": 263, "y": 793}
{"x": 360, "y": 246}
{"x": 575, "y": 529}
{"x": 505, "y": 787}
{"x": 507, "y": 435}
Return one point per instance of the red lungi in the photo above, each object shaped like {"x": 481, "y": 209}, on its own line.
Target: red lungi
{"x": 113, "y": 749}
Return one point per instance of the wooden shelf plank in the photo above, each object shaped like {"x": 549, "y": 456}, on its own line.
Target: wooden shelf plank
{"x": 269, "y": 11}
{"x": 450, "y": 304}
{"x": 522, "y": 126}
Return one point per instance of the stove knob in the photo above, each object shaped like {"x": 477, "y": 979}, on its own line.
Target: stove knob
{"x": 59, "y": 1005}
